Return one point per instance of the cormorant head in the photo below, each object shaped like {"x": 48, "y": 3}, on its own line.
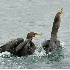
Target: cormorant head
{"x": 32, "y": 34}
{"x": 59, "y": 13}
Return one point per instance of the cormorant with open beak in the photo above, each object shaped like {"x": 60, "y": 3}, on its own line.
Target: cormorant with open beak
{"x": 53, "y": 43}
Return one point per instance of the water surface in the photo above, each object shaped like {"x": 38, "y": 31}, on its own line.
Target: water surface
{"x": 18, "y": 17}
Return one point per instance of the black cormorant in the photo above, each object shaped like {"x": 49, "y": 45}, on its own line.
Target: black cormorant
{"x": 53, "y": 43}
{"x": 19, "y": 47}
{"x": 27, "y": 47}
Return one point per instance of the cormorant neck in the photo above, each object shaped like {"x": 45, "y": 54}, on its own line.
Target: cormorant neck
{"x": 29, "y": 38}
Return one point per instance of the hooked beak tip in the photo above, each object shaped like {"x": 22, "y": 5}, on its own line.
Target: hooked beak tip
{"x": 61, "y": 11}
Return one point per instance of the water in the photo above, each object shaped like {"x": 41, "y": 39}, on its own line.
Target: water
{"x": 18, "y": 17}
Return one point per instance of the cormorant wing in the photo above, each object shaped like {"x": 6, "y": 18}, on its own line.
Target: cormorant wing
{"x": 21, "y": 45}
{"x": 11, "y": 45}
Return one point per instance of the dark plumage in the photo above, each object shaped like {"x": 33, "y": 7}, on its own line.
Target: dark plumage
{"x": 53, "y": 43}
{"x": 27, "y": 47}
{"x": 20, "y": 47}
{"x": 11, "y": 45}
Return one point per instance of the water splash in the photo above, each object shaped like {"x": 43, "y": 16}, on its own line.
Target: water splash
{"x": 57, "y": 54}
{"x": 39, "y": 52}
{"x": 5, "y": 54}
{"x": 62, "y": 44}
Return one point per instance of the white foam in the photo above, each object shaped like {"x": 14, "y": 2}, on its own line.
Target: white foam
{"x": 42, "y": 53}
{"x": 62, "y": 44}
{"x": 5, "y": 54}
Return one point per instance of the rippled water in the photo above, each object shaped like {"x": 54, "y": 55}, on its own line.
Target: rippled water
{"x": 18, "y": 17}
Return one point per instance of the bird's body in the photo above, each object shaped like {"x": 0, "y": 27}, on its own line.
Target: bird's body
{"x": 11, "y": 45}
{"x": 49, "y": 45}
{"x": 53, "y": 43}
{"x": 25, "y": 48}
{"x": 19, "y": 47}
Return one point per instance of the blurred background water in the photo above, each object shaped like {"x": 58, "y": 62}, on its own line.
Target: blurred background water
{"x": 18, "y": 17}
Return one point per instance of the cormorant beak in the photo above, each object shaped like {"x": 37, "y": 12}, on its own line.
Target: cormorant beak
{"x": 61, "y": 12}
{"x": 36, "y": 35}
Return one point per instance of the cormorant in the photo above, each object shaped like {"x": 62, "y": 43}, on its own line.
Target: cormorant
{"x": 11, "y": 45}
{"x": 19, "y": 47}
{"x": 53, "y": 43}
{"x": 27, "y": 47}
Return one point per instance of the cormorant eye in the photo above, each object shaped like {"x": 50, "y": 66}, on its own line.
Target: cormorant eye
{"x": 34, "y": 34}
